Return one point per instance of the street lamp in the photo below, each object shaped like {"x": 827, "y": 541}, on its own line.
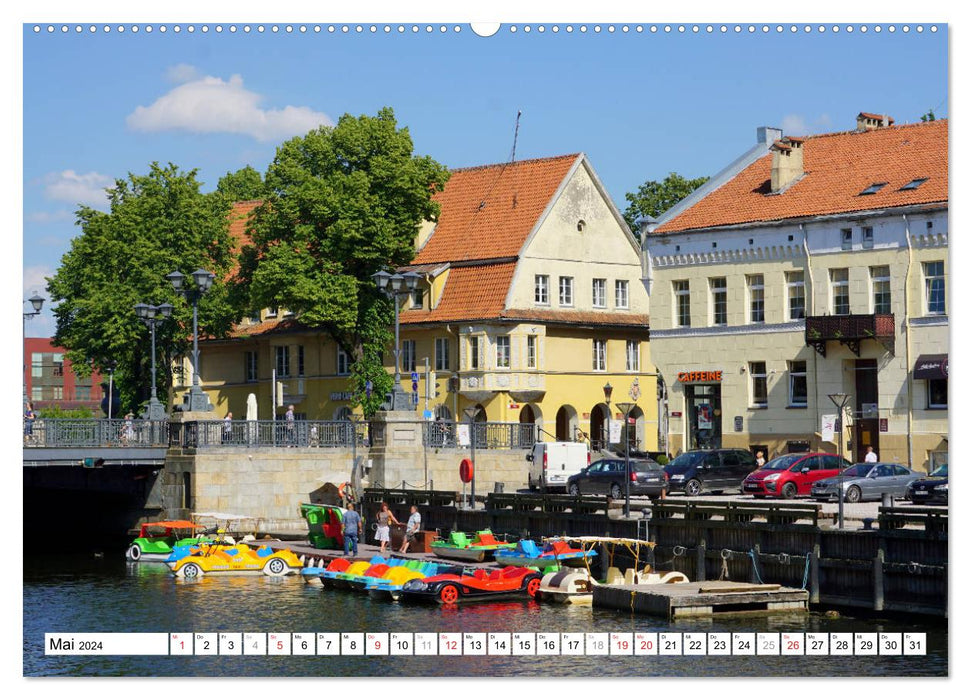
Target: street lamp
{"x": 201, "y": 282}
{"x": 151, "y": 316}
{"x": 840, "y": 400}
{"x": 626, "y": 407}
{"x": 608, "y": 392}
{"x": 37, "y": 303}
{"x": 395, "y": 285}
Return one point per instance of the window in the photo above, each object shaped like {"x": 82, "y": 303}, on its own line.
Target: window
{"x": 719, "y": 301}
{"x": 760, "y": 394}
{"x": 36, "y": 364}
{"x": 300, "y": 361}
{"x": 272, "y": 312}
{"x": 880, "y": 282}
{"x": 82, "y": 393}
{"x": 599, "y": 355}
{"x": 874, "y": 188}
{"x": 796, "y": 294}
{"x": 441, "y": 354}
{"x": 846, "y": 238}
{"x": 343, "y": 362}
{"x": 581, "y": 224}
{"x": 620, "y": 294}
{"x": 934, "y": 286}
{"x": 798, "y": 391}
{"x": 682, "y": 304}
{"x": 474, "y": 352}
{"x": 502, "y": 351}
{"x": 251, "y": 365}
{"x": 417, "y": 298}
{"x": 58, "y": 392}
{"x": 867, "y": 236}
{"x": 531, "y": 351}
{"x": 407, "y": 355}
{"x": 542, "y": 289}
{"x": 566, "y": 291}
{"x": 599, "y": 293}
{"x": 936, "y": 393}
{"x": 254, "y": 317}
{"x": 839, "y": 282}
{"x": 633, "y": 356}
{"x": 282, "y": 361}
{"x": 36, "y": 393}
{"x": 914, "y": 184}
{"x": 756, "y": 299}
{"x": 57, "y": 360}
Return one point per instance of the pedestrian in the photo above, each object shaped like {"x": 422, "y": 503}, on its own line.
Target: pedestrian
{"x": 228, "y": 428}
{"x": 314, "y": 436}
{"x": 129, "y": 429}
{"x": 759, "y": 459}
{"x": 385, "y": 520}
{"x": 29, "y": 417}
{"x": 871, "y": 456}
{"x": 352, "y": 526}
{"x": 411, "y": 531}
{"x": 290, "y": 425}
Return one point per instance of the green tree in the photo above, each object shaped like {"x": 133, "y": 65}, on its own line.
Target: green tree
{"x": 157, "y": 223}
{"x": 929, "y": 117}
{"x": 343, "y": 203}
{"x": 653, "y": 198}
{"x": 243, "y": 185}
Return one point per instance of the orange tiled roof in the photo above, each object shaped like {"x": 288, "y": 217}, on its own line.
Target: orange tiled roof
{"x": 838, "y": 167}
{"x": 580, "y": 318}
{"x": 472, "y": 292}
{"x": 515, "y": 194}
{"x": 266, "y": 327}
{"x": 238, "y": 219}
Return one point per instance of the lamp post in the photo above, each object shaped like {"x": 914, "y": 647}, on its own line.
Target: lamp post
{"x": 470, "y": 413}
{"x": 151, "y": 316}
{"x": 37, "y": 303}
{"x": 840, "y": 400}
{"x": 395, "y": 285}
{"x": 201, "y": 282}
{"x": 626, "y": 407}
{"x": 608, "y": 392}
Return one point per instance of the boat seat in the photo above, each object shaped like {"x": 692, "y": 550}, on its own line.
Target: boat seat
{"x": 529, "y": 548}
{"x": 630, "y": 577}
{"x": 614, "y": 576}
{"x": 559, "y": 547}
{"x": 264, "y": 551}
{"x": 485, "y": 538}
{"x": 459, "y": 539}
{"x": 481, "y": 574}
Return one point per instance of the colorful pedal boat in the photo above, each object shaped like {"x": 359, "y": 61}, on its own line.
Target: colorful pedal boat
{"x": 574, "y": 586}
{"x": 527, "y": 553}
{"x": 478, "y": 584}
{"x": 481, "y": 548}
{"x": 314, "y": 574}
{"x": 156, "y": 541}
{"x": 236, "y": 559}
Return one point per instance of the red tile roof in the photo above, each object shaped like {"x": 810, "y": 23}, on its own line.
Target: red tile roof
{"x": 578, "y": 318}
{"x": 488, "y": 211}
{"x": 238, "y": 219}
{"x": 838, "y": 167}
{"x": 473, "y": 292}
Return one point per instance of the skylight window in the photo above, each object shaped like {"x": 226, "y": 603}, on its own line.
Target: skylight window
{"x": 914, "y": 184}
{"x": 874, "y": 188}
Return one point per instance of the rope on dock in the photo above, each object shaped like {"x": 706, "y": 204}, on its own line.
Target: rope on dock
{"x": 805, "y": 575}
{"x": 755, "y": 566}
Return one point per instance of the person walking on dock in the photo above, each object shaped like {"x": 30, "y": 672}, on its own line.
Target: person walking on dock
{"x": 352, "y": 526}
{"x": 385, "y": 519}
{"x": 414, "y": 525}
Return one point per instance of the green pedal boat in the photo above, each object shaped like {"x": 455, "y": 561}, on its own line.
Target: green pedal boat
{"x": 481, "y": 548}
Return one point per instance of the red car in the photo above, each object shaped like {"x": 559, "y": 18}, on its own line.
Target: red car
{"x": 792, "y": 475}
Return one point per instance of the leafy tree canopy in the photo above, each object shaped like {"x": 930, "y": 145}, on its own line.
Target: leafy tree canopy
{"x": 243, "y": 185}
{"x": 343, "y": 203}
{"x": 654, "y": 198}
{"x": 157, "y": 223}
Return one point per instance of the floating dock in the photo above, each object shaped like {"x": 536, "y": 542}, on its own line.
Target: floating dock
{"x": 701, "y": 599}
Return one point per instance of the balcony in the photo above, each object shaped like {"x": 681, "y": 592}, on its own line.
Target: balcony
{"x": 850, "y": 330}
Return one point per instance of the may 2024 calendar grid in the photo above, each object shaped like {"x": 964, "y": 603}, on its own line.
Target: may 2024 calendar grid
{"x": 488, "y": 644}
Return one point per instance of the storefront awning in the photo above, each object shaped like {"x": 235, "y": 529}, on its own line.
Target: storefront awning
{"x": 931, "y": 367}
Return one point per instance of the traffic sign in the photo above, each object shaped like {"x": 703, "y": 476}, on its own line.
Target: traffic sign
{"x": 414, "y": 385}
{"x": 414, "y": 376}
{"x": 414, "y": 398}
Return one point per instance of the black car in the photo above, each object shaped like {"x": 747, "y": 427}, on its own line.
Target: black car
{"x": 930, "y": 489}
{"x": 709, "y": 470}
{"x": 608, "y": 476}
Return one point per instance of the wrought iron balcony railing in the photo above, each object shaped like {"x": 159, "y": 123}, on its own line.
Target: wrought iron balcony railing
{"x": 850, "y": 330}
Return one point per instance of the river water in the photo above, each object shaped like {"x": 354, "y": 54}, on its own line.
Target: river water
{"x": 86, "y": 594}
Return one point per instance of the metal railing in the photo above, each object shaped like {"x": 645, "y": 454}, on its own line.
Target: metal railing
{"x": 94, "y": 432}
{"x": 487, "y": 436}
{"x": 268, "y": 433}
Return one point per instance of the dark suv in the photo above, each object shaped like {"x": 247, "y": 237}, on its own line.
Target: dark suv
{"x": 709, "y": 470}
{"x": 607, "y": 476}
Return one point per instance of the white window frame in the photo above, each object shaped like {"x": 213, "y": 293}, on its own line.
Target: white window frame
{"x": 633, "y": 356}
{"x": 252, "y": 365}
{"x": 622, "y": 294}
{"x": 503, "y": 352}
{"x": 795, "y": 288}
{"x": 839, "y": 288}
{"x": 282, "y": 363}
{"x": 300, "y": 361}
{"x": 757, "y": 371}
{"x": 408, "y": 356}
{"x": 343, "y": 362}
{"x": 719, "y": 300}
{"x": 566, "y": 291}
{"x": 272, "y": 311}
{"x": 599, "y": 293}
{"x": 599, "y": 355}
{"x": 756, "y": 296}
{"x": 417, "y": 297}
{"x": 794, "y": 374}
{"x": 866, "y": 233}
{"x": 682, "y": 303}
{"x": 441, "y": 355}
{"x": 846, "y": 238}
{"x": 531, "y": 351}
{"x": 475, "y": 356}
{"x": 541, "y": 290}
{"x": 929, "y": 280}
{"x": 880, "y": 276}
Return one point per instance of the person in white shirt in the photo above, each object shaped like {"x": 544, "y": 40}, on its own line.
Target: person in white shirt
{"x": 414, "y": 524}
{"x": 871, "y": 456}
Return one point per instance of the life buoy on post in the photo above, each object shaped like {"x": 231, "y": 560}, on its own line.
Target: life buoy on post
{"x": 466, "y": 470}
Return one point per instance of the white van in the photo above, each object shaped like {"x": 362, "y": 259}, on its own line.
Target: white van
{"x": 552, "y": 463}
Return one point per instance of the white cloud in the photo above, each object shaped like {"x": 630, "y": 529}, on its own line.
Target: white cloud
{"x": 34, "y": 280}
{"x": 50, "y": 217}
{"x": 794, "y": 125}
{"x": 69, "y": 186}
{"x": 182, "y": 73}
{"x": 212, "y": 105}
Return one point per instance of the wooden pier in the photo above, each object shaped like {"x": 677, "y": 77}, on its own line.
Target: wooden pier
{"x": 705, "y": 599}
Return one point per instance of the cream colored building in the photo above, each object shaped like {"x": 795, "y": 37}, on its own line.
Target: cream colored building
{"x": 811, "y": 266}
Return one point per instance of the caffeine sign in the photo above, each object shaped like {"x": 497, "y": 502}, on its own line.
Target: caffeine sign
{"x": 697, "y": 377}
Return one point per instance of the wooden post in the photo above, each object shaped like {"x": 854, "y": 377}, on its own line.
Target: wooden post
{"x": 814, "y": 575}
{"x": 700, "y": 566}
{"x": 755, "y": 564}
{"x": 878, "y": 580}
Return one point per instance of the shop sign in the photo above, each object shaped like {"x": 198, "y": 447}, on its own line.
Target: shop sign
{"x": 340, "y": 395}
{"x": 699, "y": 377}
{"x": 675, "y": 414}
{"x": 738, "y": 424}
{"x": 884, "y": 425}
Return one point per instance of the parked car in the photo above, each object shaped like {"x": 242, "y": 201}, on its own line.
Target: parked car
{"x": 866, "y": 481}
{"x": 607, "y": 476}
{"x": 709, "y": 470}
{"x": 791, "y": 475}
{"x": 929, "y": 489}
{"x": 552, "y": 463}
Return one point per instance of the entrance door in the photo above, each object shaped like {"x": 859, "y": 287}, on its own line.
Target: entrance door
{"x": 704, "y": 404}
{"x": 866, "y": 429}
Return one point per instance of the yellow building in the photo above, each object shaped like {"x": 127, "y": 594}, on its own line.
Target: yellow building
{"x": 530, "y": 302}
{"x": 810, "y": 267}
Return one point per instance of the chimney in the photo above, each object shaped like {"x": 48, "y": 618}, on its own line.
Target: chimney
{"x": 865, "y": 121}
{"x": 787, "y": 165}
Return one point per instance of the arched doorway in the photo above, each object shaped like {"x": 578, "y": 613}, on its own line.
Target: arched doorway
{"x": 634, "y": 430}
{"x": 442, "y": 412}
{"x": 343, "y": 413}
{"x": 566, "y": 424}
{"x": 599, "y": 429}
{"x": 530, "y": 422}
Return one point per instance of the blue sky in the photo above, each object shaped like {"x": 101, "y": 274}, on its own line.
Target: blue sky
{"x": 97, "y": 106}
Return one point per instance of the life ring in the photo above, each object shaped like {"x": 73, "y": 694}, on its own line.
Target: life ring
{"x": 340, "y": 490}
{"x": 466, "y": 470}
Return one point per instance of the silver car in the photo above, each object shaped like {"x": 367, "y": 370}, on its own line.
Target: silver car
{"x": 866, "y": 481}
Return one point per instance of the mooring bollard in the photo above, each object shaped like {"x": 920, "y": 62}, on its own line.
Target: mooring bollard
{"x": 886, "y": 500}
{"x": 700, "y": 567}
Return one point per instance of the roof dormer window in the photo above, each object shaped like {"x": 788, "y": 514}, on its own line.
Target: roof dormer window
{"x": 914, "y": 184}
{"x": 874, "y": 188}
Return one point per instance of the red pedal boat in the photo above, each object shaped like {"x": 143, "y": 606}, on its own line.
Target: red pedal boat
{"x": 478, "y": 584}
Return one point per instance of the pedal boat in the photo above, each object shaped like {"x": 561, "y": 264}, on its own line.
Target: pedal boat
{"x": 481, "y": 548}
{"x": 478, "y": 584}
{"x": 156, "y": 541}
{"x": 528, "y": 553}
{"x": 236, "y": 559}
